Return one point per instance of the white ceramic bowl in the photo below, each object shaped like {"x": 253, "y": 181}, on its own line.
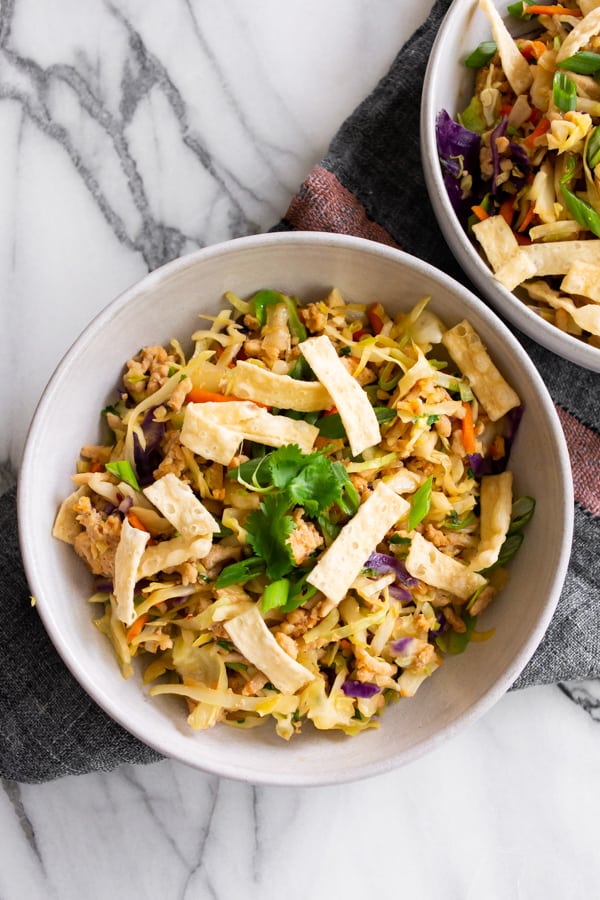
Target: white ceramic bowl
{"x": 449, "y": 85}
{"x": 165, "y": 304}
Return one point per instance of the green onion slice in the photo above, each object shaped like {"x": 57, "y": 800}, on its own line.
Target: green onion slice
{"x": 421, "y": 501}
{"x": 584, "y": 63}
{"x": 593, "y": 148}
{"x": 564, "y": 92}
{"x": 123, "y": 470}
{"x": 481, "y": 55}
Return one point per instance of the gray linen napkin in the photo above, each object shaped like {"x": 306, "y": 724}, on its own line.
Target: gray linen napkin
{"x": 370, "y": 184}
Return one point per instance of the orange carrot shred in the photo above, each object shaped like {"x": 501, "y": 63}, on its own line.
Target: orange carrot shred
{"x": 507, "y": 210}
{"x": 136, "y": 627}
{"x": 528, "y": 218}
{"x": 135, "y": 522}
{"x": 468, "y": 429}
{"x": 540, "y": 129}
{"x": 552, "y": 11}
{"x": 480, "y": 212}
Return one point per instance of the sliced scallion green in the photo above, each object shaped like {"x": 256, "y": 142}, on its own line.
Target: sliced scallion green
{"x": 584, "y": 63}
{"x": 421, "y": 501}
{"x": 593, "y": 148}
{"x": 564, "y": 92}
{"x": 123, "y": 470}
{"x": 481, "y": 55}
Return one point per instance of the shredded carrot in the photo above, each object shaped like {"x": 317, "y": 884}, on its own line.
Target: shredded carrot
{"x": 533, "y": 49}
{"x": 96, "y": 467}
{"x": 507, "y": 210}
{"x": 552, "y": 11}
{"x": 135, "y": 522}
{"x": 136, "y": 627}
{"x": 541, "y": 128}
{"x": 528, "y": 218}
{"x": 199, "y": 395}
{"x": 374, "y": 317}
{"x": 480, "y": 212}
{"x": 522, "y": 239}
{"x": 498, "y": 447}
{"x": 468, "y": 429}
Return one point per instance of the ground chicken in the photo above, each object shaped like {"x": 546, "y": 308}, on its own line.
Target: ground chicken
{"x": 304, "y": 539}
{"x": 97, "y": 543}
{"x": 484, "y": 599}
{"x": 314, "y": 317}
{"x": 367, "y": 666}
{"x": 96, "y": 454}
{"x": 453, "y": 620}
{"x": 437, "y": 537}
{"x": 255, "y": 684}
{"x": 147, "y": 371}
{"x": 366, "y": 376}
{"x": 424, "y": 656}
{"x": 287, "y": 643}
{"x": 217, "y": 555}
{"x": 177, "y": 398}
{"x": 298, "y": 622}
{"x": 174, "y": 459}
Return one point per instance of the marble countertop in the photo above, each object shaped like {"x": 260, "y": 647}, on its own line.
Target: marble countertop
{"x": 132, "y": 132}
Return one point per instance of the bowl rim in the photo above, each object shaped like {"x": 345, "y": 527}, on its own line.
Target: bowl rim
{"x": 504, "y": 301}
{"x": 34, "y": 571}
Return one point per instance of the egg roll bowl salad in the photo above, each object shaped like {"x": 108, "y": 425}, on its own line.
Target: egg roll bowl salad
{"x": 522, "y": 163}
{"x": 305, "y": 515}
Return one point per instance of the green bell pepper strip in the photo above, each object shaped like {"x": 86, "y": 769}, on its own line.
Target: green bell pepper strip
{"x": 263, "y": 299}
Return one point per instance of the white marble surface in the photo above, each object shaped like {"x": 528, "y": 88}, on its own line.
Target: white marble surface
{"x": 131, "y": 132}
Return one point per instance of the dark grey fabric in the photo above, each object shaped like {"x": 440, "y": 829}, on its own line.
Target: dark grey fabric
{"x": 49, "y": 727}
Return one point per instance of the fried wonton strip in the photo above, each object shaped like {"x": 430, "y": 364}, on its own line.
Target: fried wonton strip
{"x": 215, "y": 430}
{"x": 580, "y": 35}
{"x": 172, "y": 553}
{"x": 352, "y": 403}
{"x": 254, "y": 641}
{"x": 127, "y": 559}
{"x": 538, "y": 260}
{"x": 492, "y": 391}
{"x": 66, "y": 527}
{"x": 251, "y": 382}
{"x": 586, "y": 317}
{"x": 497, "y": 240}
{"x": 516, "y": 67}
{"x": 178, "y": 503}
{"x": 208, "y": 439}
{"x": 430, "y": 565}
{"x": 496, "y": 507}
{"x": 344, "y": 559}
{"x": 584, "y": 279}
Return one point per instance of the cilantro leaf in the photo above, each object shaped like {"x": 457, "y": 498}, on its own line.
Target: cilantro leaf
{"x": 285, "y": 464}
{"x": 269, "y": 528}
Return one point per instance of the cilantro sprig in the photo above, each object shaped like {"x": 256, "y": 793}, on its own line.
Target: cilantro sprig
{"x": 288, "y": 479}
